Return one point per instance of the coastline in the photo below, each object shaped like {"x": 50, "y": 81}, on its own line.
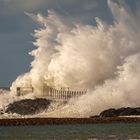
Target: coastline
{"x": 59, "y": 121}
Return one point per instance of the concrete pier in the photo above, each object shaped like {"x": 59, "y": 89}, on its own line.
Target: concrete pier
{"x": 63, "y": 94}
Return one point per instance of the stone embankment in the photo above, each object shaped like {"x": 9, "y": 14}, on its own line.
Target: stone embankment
{"x": 59, "y": 121}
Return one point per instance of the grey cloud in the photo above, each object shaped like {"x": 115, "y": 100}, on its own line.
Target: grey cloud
{"x": 15, "y": 6}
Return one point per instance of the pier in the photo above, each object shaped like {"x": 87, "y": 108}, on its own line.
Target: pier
{"x": 62, "y": 94}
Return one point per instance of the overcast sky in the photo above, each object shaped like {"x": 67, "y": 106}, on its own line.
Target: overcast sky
{"x": 16, "y": 28}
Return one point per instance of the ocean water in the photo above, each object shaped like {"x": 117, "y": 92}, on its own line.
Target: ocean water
{"x": 72, "y": 132}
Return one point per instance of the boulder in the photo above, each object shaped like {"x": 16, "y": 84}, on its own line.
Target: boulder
{"x": 128, "y": 111}
{"x": 28, "y": 106}
{"x": 109, "y": 113}
{"x": 137, "y": 111}
{"x": 120, "y": 110}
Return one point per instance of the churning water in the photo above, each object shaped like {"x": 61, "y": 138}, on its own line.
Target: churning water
{"x": 72, "y": 132}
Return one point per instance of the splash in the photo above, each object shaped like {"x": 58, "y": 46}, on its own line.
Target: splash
{"x": 103, "y": 59}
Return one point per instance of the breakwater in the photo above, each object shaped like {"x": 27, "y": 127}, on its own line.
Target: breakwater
{"x": 58, "y": 121}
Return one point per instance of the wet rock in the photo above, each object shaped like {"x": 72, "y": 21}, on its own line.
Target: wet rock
{"x": 2, "y": 111}
{"x": 128, "y": 111}
{"x": 108, "y": 113}
{"x": 28, "y": 106}
{"x": 137, "y": 111}
{"x": 120, "y": 110}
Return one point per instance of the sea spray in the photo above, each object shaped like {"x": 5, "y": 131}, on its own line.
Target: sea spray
{"x": 103, "y": 59}
{"x": 7, "y": 98}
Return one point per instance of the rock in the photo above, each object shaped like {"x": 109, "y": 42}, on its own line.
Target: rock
{"x": 95, "y": 116}
{"x": 137, "y": 111}
{"x": 2, "y": 111}
{"x": 118, "y": 111}
{"x": 28, "y": 106}
{"x": 109, "y": 113}
{"x": 128, "y": 111}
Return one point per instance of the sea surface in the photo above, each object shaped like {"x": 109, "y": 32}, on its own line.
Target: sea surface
{"x": 72, "y": 132}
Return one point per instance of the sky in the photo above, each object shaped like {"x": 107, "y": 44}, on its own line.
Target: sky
{"x": 16, "y": 28}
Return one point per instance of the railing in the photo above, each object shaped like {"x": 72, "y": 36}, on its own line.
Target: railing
{"x": 63, "y": 94}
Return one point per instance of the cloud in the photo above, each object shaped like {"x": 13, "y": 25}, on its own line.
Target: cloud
{"x": 82, "y": 11}
{"x": 63, "y": 6}
{"x": 9, "y": 7}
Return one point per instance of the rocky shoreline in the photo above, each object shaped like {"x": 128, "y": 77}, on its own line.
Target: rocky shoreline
{"x": 27, "y": 107}
{"x": 34, "y": 106}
